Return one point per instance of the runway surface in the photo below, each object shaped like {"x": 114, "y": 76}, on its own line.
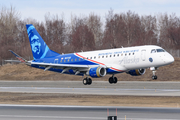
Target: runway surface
{"x": 97, "y": 88}
{"x": 40, "y": 112}
{"x": 95, "y": 84}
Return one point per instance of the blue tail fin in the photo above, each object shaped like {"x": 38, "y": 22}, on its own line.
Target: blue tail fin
{"x": 38, "y": 46}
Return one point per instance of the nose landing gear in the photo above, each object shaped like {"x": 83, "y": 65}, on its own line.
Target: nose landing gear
{"x": 154, "y": 76}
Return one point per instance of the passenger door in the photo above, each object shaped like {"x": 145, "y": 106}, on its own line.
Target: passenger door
{"x": 143, "y": 55}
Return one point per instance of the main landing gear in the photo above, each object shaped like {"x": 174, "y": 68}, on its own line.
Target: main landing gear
{"x": 154, "y": 76}
{"x": 113, "y": 80}
{"x": 87, "y": 81}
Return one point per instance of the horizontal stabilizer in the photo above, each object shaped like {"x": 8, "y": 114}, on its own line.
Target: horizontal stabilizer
{"x": 15, "y": 61}
{"x": 21, "y": 59}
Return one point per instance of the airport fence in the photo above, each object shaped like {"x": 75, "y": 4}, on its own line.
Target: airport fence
{"x": 174, "y": 53}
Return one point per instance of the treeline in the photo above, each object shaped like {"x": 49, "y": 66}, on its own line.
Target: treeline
{"x": 88, "y": 32}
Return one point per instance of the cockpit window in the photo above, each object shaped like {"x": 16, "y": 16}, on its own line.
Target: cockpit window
{"x": 160, "y": 50}
{"x": 153, "y": 51}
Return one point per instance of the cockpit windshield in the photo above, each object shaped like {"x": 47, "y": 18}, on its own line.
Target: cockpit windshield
{"x": 160, "y": 50}
{"x": 157, "y": 50}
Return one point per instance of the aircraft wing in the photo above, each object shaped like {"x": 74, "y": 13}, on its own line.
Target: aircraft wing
{"x": 65, "y": 67}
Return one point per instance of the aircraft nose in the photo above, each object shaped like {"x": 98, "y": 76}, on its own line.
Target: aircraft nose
{"x": 169, "y": 59}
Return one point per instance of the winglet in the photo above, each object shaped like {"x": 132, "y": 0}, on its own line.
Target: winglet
{"x": 21, "y": 59}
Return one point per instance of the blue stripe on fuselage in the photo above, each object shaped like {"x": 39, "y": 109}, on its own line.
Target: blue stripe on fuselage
{"x": 66, "y": 59}
{"x": 57, "y": 60}
{"x": 111, "y": 71}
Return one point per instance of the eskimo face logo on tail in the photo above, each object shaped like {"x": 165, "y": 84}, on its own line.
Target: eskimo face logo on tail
{"x": 35, "y": 44}
{"x": 38, "y": 46}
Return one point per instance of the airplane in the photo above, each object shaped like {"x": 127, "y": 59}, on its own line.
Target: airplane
{"x": 96, "y": 64}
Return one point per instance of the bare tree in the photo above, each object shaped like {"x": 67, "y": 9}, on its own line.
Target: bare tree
{"x": 55, "y": 31}
{"x": 9, "y": 18}
{"x": 95, "y": 26}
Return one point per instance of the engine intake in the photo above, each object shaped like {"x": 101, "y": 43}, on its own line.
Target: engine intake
{"x": 137, "y": 72}
{"x": 97, "y": 71}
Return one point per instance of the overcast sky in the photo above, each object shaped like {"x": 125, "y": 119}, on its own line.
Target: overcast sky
{"x": 38, "y": 8}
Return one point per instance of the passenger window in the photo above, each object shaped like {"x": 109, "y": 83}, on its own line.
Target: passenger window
{"x": 75, "y": 59}
{"x": 125, "y": 54}
{"x": 64, "y": 60}
{"x": 99, "y": 56}
{"x": 94, "y": 57}
{"x": 91, "y": 58}
{"x": 133, "y": 53}
{"x": 129, "y": 53}
{"x": 114, "y": 55}
{"x": 71, "y": 60}
{"x": 79, "y": 59}
{"x": 68, "y": 60}
{"x": 106, "y": 56}
{"x": 61, "y": 60}
{"x": 121, "y": 54}
{"x": 153, "y": 51}
{"x": 118, "y": 55}
{"x": 110, "y": 56}
{"x": 102, "y": 56}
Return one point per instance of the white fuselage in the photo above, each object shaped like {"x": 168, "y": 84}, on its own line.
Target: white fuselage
{"x": 130, "y": 58}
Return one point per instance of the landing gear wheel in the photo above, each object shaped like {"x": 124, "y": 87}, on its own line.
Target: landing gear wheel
{"x": 87, "y": 81}
{"x": 154, "y": 77}
{"x": 115, "y": 80}
{"x": 111, "y": 80}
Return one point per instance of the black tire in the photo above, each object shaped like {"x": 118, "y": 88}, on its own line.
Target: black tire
{"x": 110, "y": 80}
{"x": 89, "y": 82}
{"x": 115, "y": 80}
{"x": 85, "y": 81}
{"x": 154, "y": 77}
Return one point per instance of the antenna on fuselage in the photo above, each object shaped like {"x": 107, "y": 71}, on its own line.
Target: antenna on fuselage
{"x": 122, "y": 47}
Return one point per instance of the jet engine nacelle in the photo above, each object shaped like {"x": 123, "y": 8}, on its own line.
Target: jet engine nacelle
{"x": 137, "y": 72}
{"x": 97, "y": 72}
